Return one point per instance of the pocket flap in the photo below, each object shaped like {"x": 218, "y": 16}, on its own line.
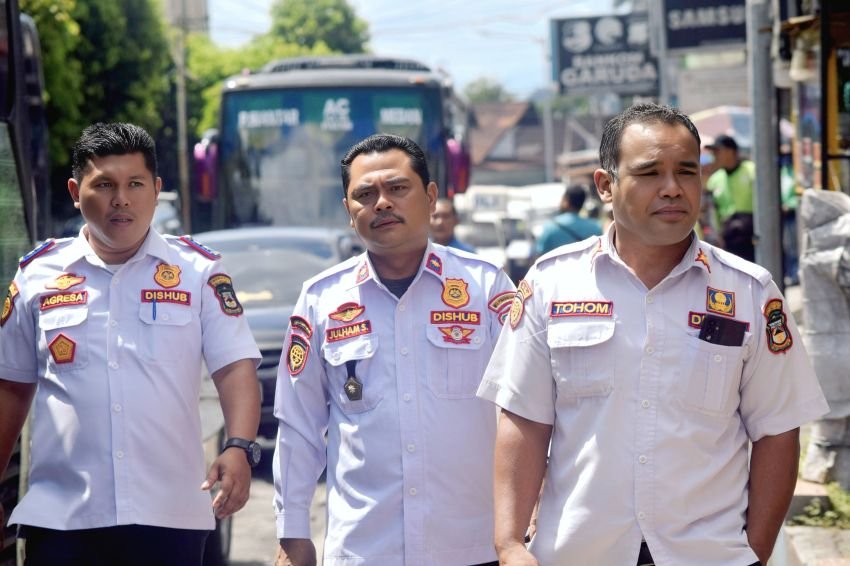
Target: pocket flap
{"x": 455, "y": 336}
{"x": 63, "y": 317}
{"x": 574, "y": 334}
{"x": 360, "y": 348}
{"x": 166, "y": 314}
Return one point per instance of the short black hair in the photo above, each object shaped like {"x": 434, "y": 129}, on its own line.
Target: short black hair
{"x": 380, "y": 143}
{"x": 116, "y": 138}
{"x": 609, "y": 147}
{"x": 723, "y": 141}
{"x": 575, "y": 196}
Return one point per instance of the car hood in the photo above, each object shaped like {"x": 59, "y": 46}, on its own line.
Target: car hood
{"x": 268, "y": 325}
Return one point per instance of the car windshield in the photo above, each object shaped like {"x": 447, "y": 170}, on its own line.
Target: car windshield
{"x": 270, "y": 272}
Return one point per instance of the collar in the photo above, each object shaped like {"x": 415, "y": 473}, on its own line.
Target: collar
{"x": 433, "y": 262}
{"x": 80, "y": 248}
{"x": 695, "y": 257}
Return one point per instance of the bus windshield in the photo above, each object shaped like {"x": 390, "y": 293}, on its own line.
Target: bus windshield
{"x": 280, "y": 149}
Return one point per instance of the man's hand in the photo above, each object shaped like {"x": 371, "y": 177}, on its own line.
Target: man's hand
{"x": 231, "y": 468}
{"x": 516, "y": 555}
{"x": 296, "y": 552}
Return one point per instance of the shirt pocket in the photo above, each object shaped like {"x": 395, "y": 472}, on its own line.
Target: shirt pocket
{"x": 66, "y": 338}
{"x": 712, "y": 377}
{"x": 583, "y": 357}
{"x": 362, "y": 351}
{"x": 163, "y": 332}
{"x": 455, "y": 361}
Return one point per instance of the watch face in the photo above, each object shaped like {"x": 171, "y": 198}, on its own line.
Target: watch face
{"x": 255, "y": 452}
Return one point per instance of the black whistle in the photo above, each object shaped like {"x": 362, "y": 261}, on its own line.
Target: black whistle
{"x": 353, "y": 387}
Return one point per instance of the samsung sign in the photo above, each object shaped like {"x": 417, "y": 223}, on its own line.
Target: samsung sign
{"x": 703, "y": 23}
{"x": 608, "y": 54}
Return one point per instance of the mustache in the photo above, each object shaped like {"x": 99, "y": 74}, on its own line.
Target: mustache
{"x": 382, "y": 217}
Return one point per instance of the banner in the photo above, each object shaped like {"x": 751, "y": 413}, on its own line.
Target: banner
{"x": 701, "y": 23}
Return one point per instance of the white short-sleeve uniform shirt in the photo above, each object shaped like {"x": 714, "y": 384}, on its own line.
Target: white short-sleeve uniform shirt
{"x": 409, "y": 447}
{"x": 651, "y": 424}
{"x": 117, "y": 359}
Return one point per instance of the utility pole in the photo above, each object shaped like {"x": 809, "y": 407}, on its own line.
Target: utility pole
{"x": 182, "y": 130}
{"x": 766, "y": 205}
{"x": 658, "y": 47}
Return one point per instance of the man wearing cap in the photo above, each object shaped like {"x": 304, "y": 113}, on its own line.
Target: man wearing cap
{"x": 732, "y": 187}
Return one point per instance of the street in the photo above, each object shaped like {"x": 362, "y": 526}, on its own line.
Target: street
{"x": 254, "y": 542}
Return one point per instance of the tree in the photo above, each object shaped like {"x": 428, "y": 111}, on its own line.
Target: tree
{"x": 309, "y": 23}
{"x": 485, "y": 89}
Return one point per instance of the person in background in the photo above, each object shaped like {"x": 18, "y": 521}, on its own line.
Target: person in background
{"x": 652, "y": 362}
{"x": 732, "y": 186}
{"x": 384, "y": 353}
{"x": 443, "y": 222}
{"x": 108, "y": 332}
{"x": 790, "y": 243}
{"x": 568, "y": 227}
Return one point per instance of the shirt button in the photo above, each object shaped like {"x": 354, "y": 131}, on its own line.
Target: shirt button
{"x": 642, "y": 459}
{"x": 404, "y": 350}
{"x": 650, "y": 299}
{"x": 644, "y": 404}
{"x": 116, "y": 280}
{"x": 402, "y": 306}
{"x": 718, "y": 358}
{"x": 406, "y": 397}
{"x": 336, "y": 355}
{"x": 649, "y": 349}
{"x": 119, "y": 454}
{"x": 113, "y": 323}
{"x": 368, "y": 348}
{"x": 412, "y": 491}
{"x": 113, "y": 365}
{"x": 411, "y": 448}
{"x": 116, "y": 407}
{"x": 641, "y": 515}
{"x": 165, "y": 317}
{"x": 477, "y": 339}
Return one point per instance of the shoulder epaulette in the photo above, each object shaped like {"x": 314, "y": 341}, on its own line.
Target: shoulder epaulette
{"x": 465, "y": 255}
{"x": 570, "y": 248}
{"x": 755, "y": 271}
{"x": 41, "y": 249}
{"x": 208, "y": 253}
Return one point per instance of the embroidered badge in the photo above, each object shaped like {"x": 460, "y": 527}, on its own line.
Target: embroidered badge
{"x": 65, "y": 282}
{"x": 296, "y": 356}
{"x": 348, "y": 331}
{"x": 582, "y": 308}
{"x": 347, "y": 312}
{"x": 9, "y": 303}
{"x": 501, "y": 301}
{"x": 62, "y": 349}
{"x": 454, "y": 293}
{"x": 66, "y": 299}
{"x": 523, "y": 292}
{"x": 208, "y": 253}
{"x": 778, "y": 335}
{"x": 456, "y": 334}
{"x": 300, "y": 324}
{"x": 42, "y": 248}
{"x": 703, "y": 259}
{"x": 462, "y": 317}
{"x": 167, "y": 276}
{"x": 434, "y": 263}
{"x": 720, "y": 302}
{"x": 362, "y": 273}
{"x": 175, "y": 296}
{"x": 223, "y": 287}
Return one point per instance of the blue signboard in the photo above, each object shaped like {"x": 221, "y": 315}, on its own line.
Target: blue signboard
{"x": 702, "y": 23}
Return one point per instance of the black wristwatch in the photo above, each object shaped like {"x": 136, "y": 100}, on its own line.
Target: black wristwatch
{"x": 252, "y": 449}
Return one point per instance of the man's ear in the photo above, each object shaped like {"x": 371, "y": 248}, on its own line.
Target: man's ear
{"x": 603, "y": 183}
{"x": 74, "y": 189}
{"x": 157, "y": 186}
{"x": 432, "y": 192}
{"x": 348, "y": 210}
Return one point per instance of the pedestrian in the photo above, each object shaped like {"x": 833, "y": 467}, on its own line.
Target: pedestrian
{"x": 384, "y": 353}
{"x": 732, "y": 186}
{"x": 650, "y": 360}
{"x": 107, "y": 331}
{"x": 443, "y": 222}
{"x": 568, "y": 226}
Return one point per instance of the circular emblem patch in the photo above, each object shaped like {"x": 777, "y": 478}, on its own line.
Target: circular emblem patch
{"x": 296, "y": 356}
{"x": 167, "y": 276}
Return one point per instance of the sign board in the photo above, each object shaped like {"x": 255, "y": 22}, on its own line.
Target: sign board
{"x": 601, "y": 55}
{"x": 693, "y": 24}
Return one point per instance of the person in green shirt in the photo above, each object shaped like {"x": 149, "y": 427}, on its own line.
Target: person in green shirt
{"x": 732, "y": 187}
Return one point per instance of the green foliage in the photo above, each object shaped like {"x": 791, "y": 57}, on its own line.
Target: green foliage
{"x": 485, "y": 89}
{"x": 59, "y": 36}
{"x": 310, "y": 23}
{"x": 832, "y": 513}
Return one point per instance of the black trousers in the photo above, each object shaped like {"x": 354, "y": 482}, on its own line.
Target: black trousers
{"x": 125, "y": 545}
{"x": 645, "y": 558}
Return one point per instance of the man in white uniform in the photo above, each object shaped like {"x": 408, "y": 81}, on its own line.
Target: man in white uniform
{"x": 384, "y": 353}
{"x": 650, "y": 360}
{"x": 108, "y": 331}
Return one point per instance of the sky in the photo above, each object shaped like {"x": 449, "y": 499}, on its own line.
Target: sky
{"x": 504, "y": 40}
